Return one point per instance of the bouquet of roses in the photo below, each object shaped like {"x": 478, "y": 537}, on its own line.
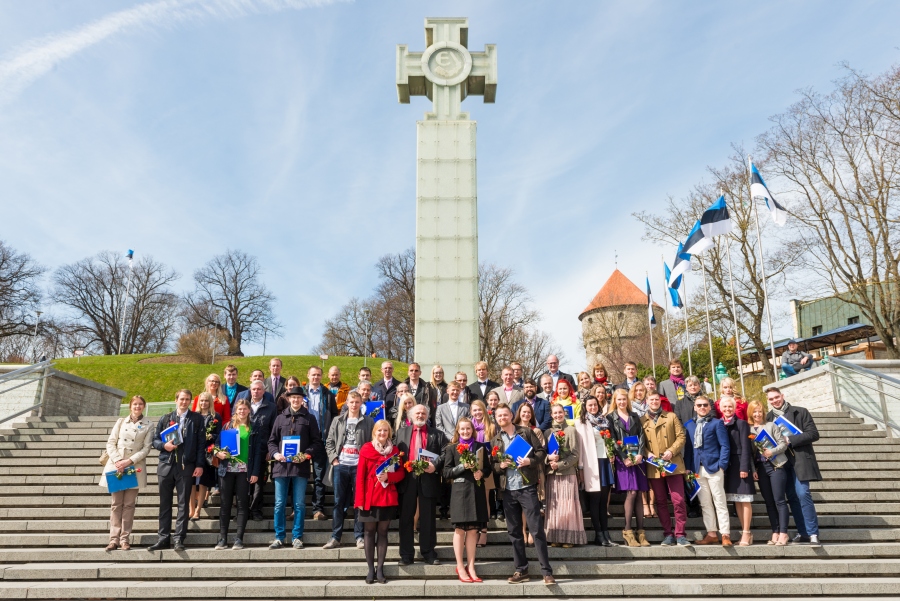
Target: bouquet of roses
{"x": 627, "y": 450}
{"x": 210, "y": 428}
{"x": 216, "y": 450}
{"x": 562, "y": 440}
{"x": 128, "y": 471}
{"x": 500, "y": 457}
{"x": 610, "y": 444}
{"x": 469, "y": 459}
{"x": 418, "y": 466}
{"x": 394, "y": 461}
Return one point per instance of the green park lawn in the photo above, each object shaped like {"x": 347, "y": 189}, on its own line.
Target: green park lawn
{"x": 158, "y": 382}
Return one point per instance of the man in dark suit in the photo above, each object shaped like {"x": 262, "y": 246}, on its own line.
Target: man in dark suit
{"x": 257, "y": 375}
{"x": 231, "y": 386}
{"x": 386, "y": 388}
{"x": 802, "y": 466}
{"x": 275, "y": 383}
{"x": 554, "y": 372}
{"x": 323, "y": 407}
{"x": 631, "y": 378}
{"x": 423, "y": 490}
{"x": 482, "y": 385}
{"x": 262, "y": 417}
{"x": 419, "y": 388}
{"x": 178, "y": 466}
{"x": 539, "y": 405}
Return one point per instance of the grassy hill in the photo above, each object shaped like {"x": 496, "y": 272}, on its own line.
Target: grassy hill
{"x": 158, "y": 382}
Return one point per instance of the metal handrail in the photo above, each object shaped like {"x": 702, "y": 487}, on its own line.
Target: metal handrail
{"x": 43, "y": 366}
{"x": 864, "y": 370}
{"x": 880, "y": 379}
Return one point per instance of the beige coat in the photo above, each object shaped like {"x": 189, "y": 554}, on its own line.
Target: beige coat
{"x": 588, "y": 460}
{"x": 667, "y": 434}
{"x": 129, "y": 440}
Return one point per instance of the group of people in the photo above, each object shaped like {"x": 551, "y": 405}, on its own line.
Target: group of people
{"x": 439, "y": 447}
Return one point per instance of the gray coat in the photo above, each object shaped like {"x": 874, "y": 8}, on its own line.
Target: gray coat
{"x": 338, "y": 433}
{"x": 803, "y": 457}
{"x": 778, "y": 458}
{"x": 444, "y": 419}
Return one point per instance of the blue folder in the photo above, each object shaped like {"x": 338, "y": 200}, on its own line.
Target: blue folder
{"x": 570, "y": 411}
{"x": 114, "y": 484}
{"x": 695, "y": 490}
{"x": 662, "y": 465}
{"x": 383, "y": 466}
{"x": 786, "y": 426}
{"x": 172, "y": 434}
{"x": 375, "y": 410}
{"x": 518, "y": 448}
{"x": 290, "y": 446}
{"x": 766, "y": 439}
{"x": 631, "y": 441}
{"x": 231, "y": 440}
{"x": 552, "y": 445}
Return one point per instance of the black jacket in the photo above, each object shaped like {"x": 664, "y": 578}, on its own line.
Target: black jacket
{"x": 192, "y": 450}
{"x": 264, "y": 419}
{"x": 475, "y": 393}
{"x": 635, "y": 428}
{"x": 385, "y": 393}
{"x": 468, "y": 503}
{"x": 328, "y": 410}
{"x": 239, "y": 388}
{"x": 741, "y": 459}
{"x": 803, "y": 457}
{"x": 302, "y": 425}
{"x": 436, "y": 441}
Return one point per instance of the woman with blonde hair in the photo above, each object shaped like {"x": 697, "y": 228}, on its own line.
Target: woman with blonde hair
{"x": 398, "y": 413}
{"x": 564, "y": 521}
{"x": 438, "y": 386}
{"x": 212, "y": 424}
{"x": 585, "y": 382}
{"x": 727, "y": 389}
{"x": 484, "y": 431}
{"x": 770, "y": 473}
{"x": 630, "y": 476}
{"x": 213, "y": 386}
{"x": 638, "y": 397}
{"x": 127, "y": 448}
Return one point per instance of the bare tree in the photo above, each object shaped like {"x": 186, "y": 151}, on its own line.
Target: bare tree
{"x": 228, "y": 295}
{"x": 672, "y": 226}
{"x": 505, "y": 316}
{"x": 839, "y": 155}
{"x": 93, "y": 290}
{"x": 19, "y": 291}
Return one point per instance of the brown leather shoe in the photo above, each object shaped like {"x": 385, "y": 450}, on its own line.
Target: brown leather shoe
{"x": 548, "y": 580}
{"x": 711, "y": 538}
{"x": 125, "y": 546}
{"x": 518, "y": 577}
{"x": 112, "y": 546}
{"x": 726, "y": 541}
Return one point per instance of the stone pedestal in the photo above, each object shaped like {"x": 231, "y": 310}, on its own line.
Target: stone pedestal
{"x": 446, "y": 246}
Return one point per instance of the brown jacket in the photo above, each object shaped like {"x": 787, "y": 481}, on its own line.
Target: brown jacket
{"x": 667, "y": 434}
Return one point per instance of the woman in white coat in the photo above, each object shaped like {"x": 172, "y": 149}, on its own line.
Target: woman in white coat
{"x": 595, "y": 471}
{"x": 128, "y": 445}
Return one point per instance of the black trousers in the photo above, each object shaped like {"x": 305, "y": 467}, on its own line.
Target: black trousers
{"x": 514, "y": 503}
{"x": 773, "y": 488}
{"x": 234, "y": 488}
{"x": 427, "y": 523}
{"x": 256, "y": 492}
{"x": 179, "y": 479}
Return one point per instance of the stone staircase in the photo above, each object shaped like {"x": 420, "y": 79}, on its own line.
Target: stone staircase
{"x": 53, "y": 527}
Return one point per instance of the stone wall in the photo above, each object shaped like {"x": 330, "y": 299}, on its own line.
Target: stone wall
{"x": 811, "y": 389}
{"x": 22, "y": 397}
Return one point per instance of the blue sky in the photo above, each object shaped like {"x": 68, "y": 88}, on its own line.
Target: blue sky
{"x": 182, "y": 128}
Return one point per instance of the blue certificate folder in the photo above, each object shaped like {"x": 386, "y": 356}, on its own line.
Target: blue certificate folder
{"x": 375, "y": 410}
{"x": 553, "y": 445}
{"x": 570, "y": 411}
{"x": 172, "y": 434}
{"x": 662, "y": 464}
{"x": 383, "y": 466}
{"x": 231, "y": 440}
{"x": 765, "y": 439}
{"x": 786, "y": 426}
{"x": 114, "y": 484}
{"x": 632, "y": 443}
{"x": 518, "y": 448}
{"x": 290, "y": 446}
{"x": 693, "y": 492}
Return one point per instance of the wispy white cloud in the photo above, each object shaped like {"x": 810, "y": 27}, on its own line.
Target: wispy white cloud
{"x": 24, "y": 65}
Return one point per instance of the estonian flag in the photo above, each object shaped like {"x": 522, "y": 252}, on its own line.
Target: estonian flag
{"x": 682, "y": 263}
{"x": 715, "y": 220}
{"x": 697, "y": 241}
{"x": 130, "y": 254}
{"x": 758, "y": 188}
{"x": 673, "y": 288}
{"x": 650, "y": 314}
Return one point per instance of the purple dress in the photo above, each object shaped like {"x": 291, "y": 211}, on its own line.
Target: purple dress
{"x": 630, "y": 478}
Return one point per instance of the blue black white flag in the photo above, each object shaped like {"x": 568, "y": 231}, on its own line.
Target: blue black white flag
{"x": 650, "y": 314}
{"x": 759, "y": 189}
{"x": 697, "y": 241}
{"x": 682, "y": 263}
{"x": 673, "y": 287}
{"x": 130, "y": 254}
{"x": 715, "y": 220}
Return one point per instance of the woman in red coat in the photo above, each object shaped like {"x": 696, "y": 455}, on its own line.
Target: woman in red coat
{"x": 213, "y": 386}
{"x": 376, "y": 496}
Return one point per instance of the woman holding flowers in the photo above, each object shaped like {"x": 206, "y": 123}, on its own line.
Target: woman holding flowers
{"x": 466, "y": 463}
{"x": 238, "y": 472}
{"x": 376, "y": 494}
{"x": 593, "y": 432}
{"x": 630, "y": 476}
{"x": 770, "y": 474}
{"x": 127, "y": 448}
{"x": 212, "y": 424}
{"x": 484, "y": 432}
{"x": 739, "y": 474}
{"x": 564, "y": 524}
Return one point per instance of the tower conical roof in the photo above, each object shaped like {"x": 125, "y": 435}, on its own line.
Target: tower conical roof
{"x": 616, "y": 292}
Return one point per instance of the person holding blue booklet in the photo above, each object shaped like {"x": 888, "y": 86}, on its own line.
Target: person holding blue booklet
{"x": 563, "y": 520}
{"x": 770, "y": 474}
{"x": 707, "y": 453}
{"x": 240, "y": 464}
{"x": 802, "y": 468}
{"x": 631, "y": 476}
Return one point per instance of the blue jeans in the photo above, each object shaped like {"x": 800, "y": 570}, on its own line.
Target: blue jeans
{"x": 788, "y": 369}
{"x": 319, "y": 467}
{"x": 299, "y": 497}
{"x": 802, "y": 507}
{"x": 343, "y": 478}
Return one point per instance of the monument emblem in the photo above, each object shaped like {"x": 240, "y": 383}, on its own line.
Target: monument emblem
{"x": 446, "y": 327}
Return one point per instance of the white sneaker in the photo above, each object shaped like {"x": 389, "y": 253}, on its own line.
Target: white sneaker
{"x": 332, "y": 543}
{"x": 360, "y": 543}
{"x": 298, "y": 543}
{"x": 814, "y": 540}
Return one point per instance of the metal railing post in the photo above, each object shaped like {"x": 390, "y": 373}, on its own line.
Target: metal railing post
{"x": 884, "y": 410}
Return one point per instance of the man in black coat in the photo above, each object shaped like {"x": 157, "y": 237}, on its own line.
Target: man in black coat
{"x": 178, "y": 466}
{"x": 386, "y": 388}
{"x": 424, "y": 490}
{"x": 554, "y": 372}
{"x": 482, "y": 384}
{"x": 275, "y": 383}
{"x": 802, "y": 467}
{"x": 323, "y": 407}
{"x": 262, "y": 417}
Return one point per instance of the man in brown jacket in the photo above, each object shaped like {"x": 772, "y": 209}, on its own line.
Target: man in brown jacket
{"x": 665, "y": 440}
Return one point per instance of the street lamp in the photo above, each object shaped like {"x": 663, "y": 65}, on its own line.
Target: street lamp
{"x": 366, "y": 331}
{"x": 34, "y": 338}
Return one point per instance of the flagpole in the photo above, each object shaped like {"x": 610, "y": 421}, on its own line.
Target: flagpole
{"x": 666, "y": 299}
{"x": 687, "y": 338}
{"x": 762, "y": 264}
{"x": 650, "y": 324}
{"x": 737, "y": 332}
{"x": 712, "y": 361}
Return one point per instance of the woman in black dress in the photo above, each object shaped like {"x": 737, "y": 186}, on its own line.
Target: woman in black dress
{"x": 739, "y": 487}
{"x": 212, "y": 424}
{"x": 468, "y": 503}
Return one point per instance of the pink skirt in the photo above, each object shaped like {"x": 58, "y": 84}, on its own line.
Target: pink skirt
{"x": 563, "y": 522}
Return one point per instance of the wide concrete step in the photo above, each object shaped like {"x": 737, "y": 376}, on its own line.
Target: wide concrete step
{"x": 440, "y": 588}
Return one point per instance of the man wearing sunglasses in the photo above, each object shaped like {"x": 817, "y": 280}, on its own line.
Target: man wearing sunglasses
{"x": 707, "y": 452}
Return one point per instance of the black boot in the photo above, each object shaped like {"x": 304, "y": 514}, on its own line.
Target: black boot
{"x": 598, "y": 539}
{"x": 607, "y": 540}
